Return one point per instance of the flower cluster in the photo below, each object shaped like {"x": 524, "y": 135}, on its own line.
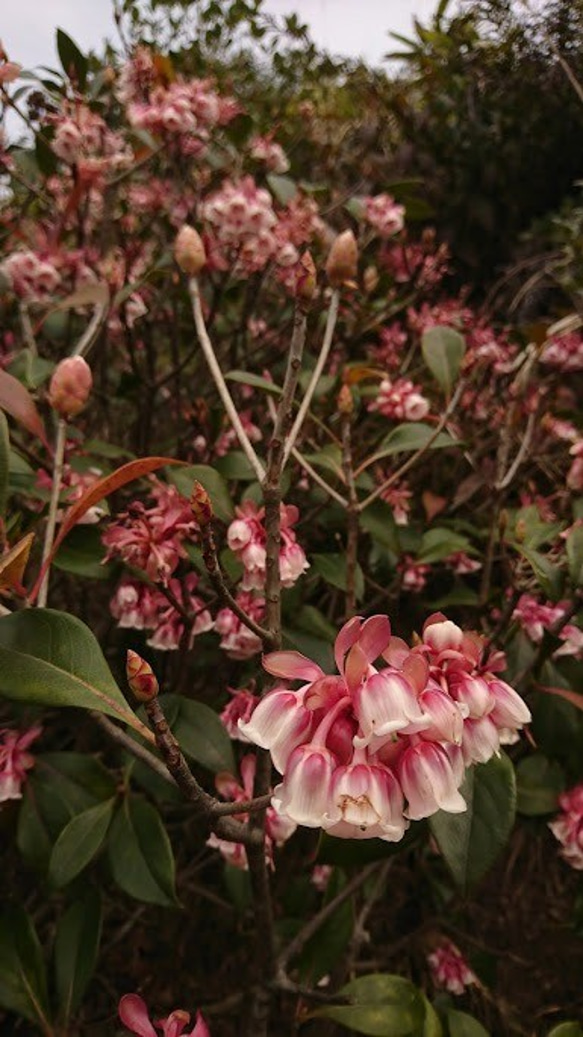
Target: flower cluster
{"x": 449, "y": 969}
{"x": 400, "y": 400}
{"x": 383, "y": 213}
{"x": 139, "y": 607}
{"x": 134, "y": 1015}
{"x": 268, "y": 151}
{"x": 278, "y": 829}
{"x": 243, "y": 229}
{"x": 236, "y": 639}
{"x": 246, "y": 538}
{"x": 30, "y": 276}
{"x": 83, "y": 139}
{"x": 15, "y": 760}
{"x": 568, "y": 827}
{"x": 152, "y": 539}
{"x": 564, "y": 352}
{"x": 537, "y": 617}
{"x": 186, "y": 111}
{"x": 365, "y": 752}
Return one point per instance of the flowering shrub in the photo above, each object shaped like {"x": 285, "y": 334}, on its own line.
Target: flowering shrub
{"x": 245, "y": 418}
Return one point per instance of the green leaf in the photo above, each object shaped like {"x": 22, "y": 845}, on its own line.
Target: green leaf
{"x": 52, "y": 659}
{"x": 332, "y": 568}
{"x": 470, "y": 842}
{"x": 73, "y": 61}
{"x": 378, "y": 521}
{"x": 438, "y": 543}
{"x": 255, "y": 380}
{"x": 462, "y": 1025}
{"x": 574, "y": 546}
{"x": 201, "y": 733}
{"x": 381, "y": 1006}
{"x": 432, "y": 1026}
{"x": 330, "y": 458}
{"x": 412, "y": 435}
{"x": 4, "y": 463}
{"x": 539, "y": 783}
{"x": 567, "y": 1030}
{"x": 76, "y": 950}
{"x": 31, "y": 369}
{"x": 323, "y": 952}
{"x": 546, "y": 572}
{"x": 79, "y": 842}
{"x": 235, "y": 465}
{"x": 140, "y": 854}
{"x": 283, "y": 187}
{"x": 443, "y": 351}
{"x": 214, "y": 484}
{"x": 82, "y": 554}
{"x": 355, "y": 853}
{"x": 23, "y": 984}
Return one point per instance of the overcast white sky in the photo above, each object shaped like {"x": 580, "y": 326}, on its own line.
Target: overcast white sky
{"x": 351, "y": 27}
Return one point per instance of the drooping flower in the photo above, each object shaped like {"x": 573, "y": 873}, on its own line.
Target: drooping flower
{"x": 133, "y": 1013}
{"x": 246, "y": 537}
{"x": 568, "y": 827}
{"x": 15, "y": 760}
{"x": 449, "y": 969}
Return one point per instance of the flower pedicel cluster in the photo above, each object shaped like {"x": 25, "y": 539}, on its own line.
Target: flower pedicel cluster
{"x": 364, "y": 752}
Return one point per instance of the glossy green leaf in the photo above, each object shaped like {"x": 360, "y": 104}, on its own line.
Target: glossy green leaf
{"x": 332, "y": 568}
{"x": 82, "y": 554}
{"x": 52, "y": 659}
{"x": 438, "y": 543}
{"x": 4, "y": 463}
{"x": 471, "y": 842}
{"x": 73, "y": 61}
{"x": 460, "y": 1024}
{"x": 545, "y": 570}
{"x": 381, "y": 1006}
{"x": 443, "y": 351}
{"x": 140, "y": 854}
{"x": 539, "y": 783}
{"x": 432, "y": 1025}
{"x": 79, "y": 842}
{"x": 412, "y": 435}
{"x": 574, "y": 544}
{"x": 23, "y": 985}
{"x": 569, "y": 1029}
{"x": 214, "y": 484}
{"x": 200, "y": 733}
{"x": 76, "y": 949}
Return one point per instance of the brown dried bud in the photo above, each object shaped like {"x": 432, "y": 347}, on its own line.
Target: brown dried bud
{"x": 141, "y": 677}
{"x": 189, "y": 251}
{"x": 370, "y": 279}
{"x": 70, "y": 386}
{"x": 200, "y": 503}
{"x": 345, "y": 403}
{"x": 342, "y": 262}
{"x": 306, "y": 278}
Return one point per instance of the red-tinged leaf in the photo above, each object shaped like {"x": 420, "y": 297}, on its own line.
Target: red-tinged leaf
{"x": 96, "y": 492}
{"x": 17, "y": 401}
{"x": 564, "y": 693}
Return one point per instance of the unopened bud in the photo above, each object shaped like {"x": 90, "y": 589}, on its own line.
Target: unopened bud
{"x": 370, "y": 279}
{"x": 342, "y": 262}
{"x": 200, "y": 504}
{"x": 141, "y": 677}
{"x": 70, "y": 386}
{"x": 189, "y": 251}
{"x": 306, "y": 278}
{"x": 345, "y": 403}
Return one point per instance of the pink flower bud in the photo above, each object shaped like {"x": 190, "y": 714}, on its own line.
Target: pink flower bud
{"x": 342, "y": 262}
{"x": 189, "y": 251}
{"x": 70, "y": 386}
{"x": 141, "y": 677}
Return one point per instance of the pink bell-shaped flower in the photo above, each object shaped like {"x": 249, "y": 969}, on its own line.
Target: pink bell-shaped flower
{"x": 510, "y": 710}
{"x": 428, "y": 781}
{"x": 304, "y": 794}
{"x": 473, "y": 692}
{"x": 384, "y": 704}
{"x": 366, "y": 803}
{"x": 481, "y": 740}
{"x": 279, "y": 723}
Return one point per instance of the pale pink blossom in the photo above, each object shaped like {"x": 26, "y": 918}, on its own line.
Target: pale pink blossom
{"x": 31, "y": 277}
{"x": 266, "y": 150}
{"x": 413, "y": 574}
{"x": 228, "y": 437}
{"x": 384, "y": 214}
{"x": 134, "y": 1015}
{"x": 449, "y": 969}
{"x": 15, "y": 760}
{"x": 239, "y": 708}
{"x": 320, "y": 877}
{"x": 246, "y": 537}
{"x": 237, "y": 640}
{"x": 568, "y": 827}
{"x": 400, "y": 400}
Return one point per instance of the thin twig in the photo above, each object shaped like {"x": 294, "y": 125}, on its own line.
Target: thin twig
{"x": 352, "y": 518}
{"x": 217, "y": 374}
{"x": 331, "y": 319}
{"x": 92, "y": 330}
{"x": 121, "y": 738}
{"x": 295, "y": 453}
{"x": 213, "y": 568}
{"x": 392, "y": 479}
{"x": 53, "y": 508}
{"x": 521, "y": 453}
